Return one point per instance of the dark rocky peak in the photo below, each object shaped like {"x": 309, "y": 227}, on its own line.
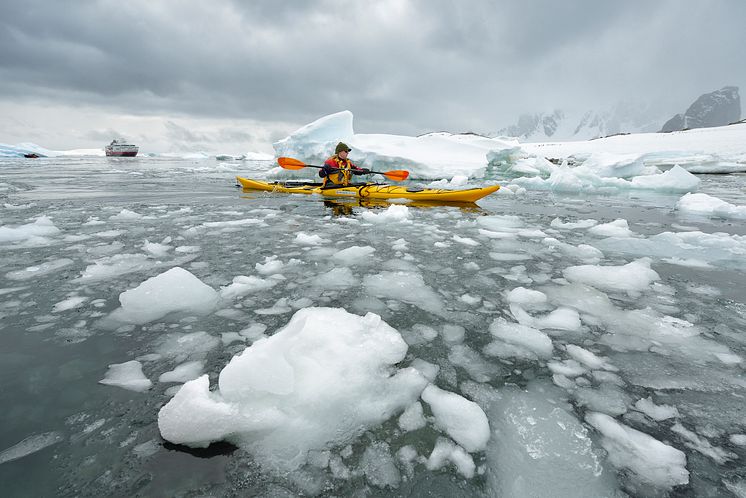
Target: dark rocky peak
{"x": 717, "y": 108}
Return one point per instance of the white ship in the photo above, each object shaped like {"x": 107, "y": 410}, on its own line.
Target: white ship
{"x": 120, "y": 148}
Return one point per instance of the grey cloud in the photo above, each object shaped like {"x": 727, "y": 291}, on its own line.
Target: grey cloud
{"x": 401, "y": 67}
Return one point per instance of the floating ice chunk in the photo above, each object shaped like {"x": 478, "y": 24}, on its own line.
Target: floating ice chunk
{"x": 126, "y": 215}
{"x": 272, "y": 265}
{"x": 571, "y": 225}
{"x": 453, "y": 334}
{"x": 738, "y": 439}
{"x": 616, "y": 228}
{"x": 656, "y": 412}
{"x": 305, "y": 239}
{"x": 539, "y": 448}
{"x": 605, "y": 164}
{"x": 336, "y": 278}
{"x": 230, "y": 337}
{"x": 69, "y": 303}
{"x": 180, "y": 347}
{"x": 607, "y": 398}
{"x": 412, "y": 418}
{"x": 708, "y": 205}
{"x": 445, "y": 451}
{"x": 588, "y": 359}
{"x": 690, "y": 262}
{"x": 378, "y": 466}
{"x": 633, "y": 277}
{"x": 282, "y": 397}
{"x": 427, "y": 369}
{"x": 254, "y": 331}
{"x": 470, "y": 300}
{"x": 465, "y": 241}
{"x": 407, "y": 287}
{"x": 355, "y": 255}
{"x": 155, "y": 249}
{"x": 146, "y": 449}
{"x": 224, "y": 226}
{"x": 280, "y": 307}
{"x": 567, "y": 368}
{"x": 463, "y": 420}
{"x": 505, "y": 223}
{"x": 127, "y": 375}
{"x": 559, "y": 319}
{"x": 184, "y": 372}
{"x": 526, "y": 297}
{"x": 676, "y": 179}
{"x": 42, "y": 227}
{"x": 396, "y": 213}
{"x": 650, "y": 461}
{"x": 40, "y": 270}
{"x": 113, "y": 266}
{"x": 702, "y": 445}
{"x": 502, "y": 256}
{"x": 243, "y": 285}
{"x": 582, "y": 252}
{"x": 399, "y": 245}
{"x": 471, "y": 361}
{"x": 516, "y": 340}
{"x": 30, "y": 445}
{"x": 173, "y": 290}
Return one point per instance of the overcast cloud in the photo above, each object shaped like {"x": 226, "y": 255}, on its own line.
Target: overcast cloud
{"x": 242, "y": 74}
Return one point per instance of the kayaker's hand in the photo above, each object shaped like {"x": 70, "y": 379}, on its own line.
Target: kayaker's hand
{"x": 365, "y": 171}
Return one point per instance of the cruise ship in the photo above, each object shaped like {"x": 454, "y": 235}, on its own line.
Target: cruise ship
{"x": 120, "y": 148}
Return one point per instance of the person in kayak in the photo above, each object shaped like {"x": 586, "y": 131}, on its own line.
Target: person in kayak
{"x": 338, "y": 169}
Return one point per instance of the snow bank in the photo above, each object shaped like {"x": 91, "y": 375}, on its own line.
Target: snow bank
{"x": 284, "y": 395}
{"x": 703, "y": 150}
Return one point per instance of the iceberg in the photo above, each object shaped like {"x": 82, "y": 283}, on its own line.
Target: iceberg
{"x": 434, "y": 155}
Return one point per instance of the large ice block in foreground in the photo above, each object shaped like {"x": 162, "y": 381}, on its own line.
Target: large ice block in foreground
{"x": 319, "y": 382}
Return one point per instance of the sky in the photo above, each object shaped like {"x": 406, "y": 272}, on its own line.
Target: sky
{"x": 232, "y": 76}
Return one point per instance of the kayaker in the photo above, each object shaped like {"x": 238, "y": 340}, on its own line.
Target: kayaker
{"x": 338, "y": 169}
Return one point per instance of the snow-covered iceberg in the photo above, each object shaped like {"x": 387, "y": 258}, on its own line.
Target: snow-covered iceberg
{"x": 19, "y": 150}
{"x": 434, "y": 155}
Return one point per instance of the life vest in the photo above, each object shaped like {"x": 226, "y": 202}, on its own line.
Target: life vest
{"x": 341, "y": 177}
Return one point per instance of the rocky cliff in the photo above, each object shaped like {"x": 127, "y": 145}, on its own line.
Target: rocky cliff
{"x": 717, "y": 108}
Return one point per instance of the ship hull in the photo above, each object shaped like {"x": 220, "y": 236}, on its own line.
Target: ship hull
{"x": 113, "y": 153}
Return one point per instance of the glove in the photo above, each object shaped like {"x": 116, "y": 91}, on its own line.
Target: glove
{"x": 364, "y": 171}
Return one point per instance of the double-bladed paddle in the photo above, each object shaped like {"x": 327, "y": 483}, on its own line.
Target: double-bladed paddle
{"x": 397, "y": 175}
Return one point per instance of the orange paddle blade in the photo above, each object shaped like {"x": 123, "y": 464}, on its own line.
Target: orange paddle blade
{"x": 290, "y": 163}
{"x": 397, "y": 175}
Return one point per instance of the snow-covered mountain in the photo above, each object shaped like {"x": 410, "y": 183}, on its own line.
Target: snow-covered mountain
{"x": 562, "y": 125}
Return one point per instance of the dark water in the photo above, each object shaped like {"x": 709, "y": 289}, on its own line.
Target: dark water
{"x": 109, "y": 443}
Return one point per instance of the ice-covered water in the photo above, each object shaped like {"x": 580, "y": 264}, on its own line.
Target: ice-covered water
{"x": 543, "y": 343}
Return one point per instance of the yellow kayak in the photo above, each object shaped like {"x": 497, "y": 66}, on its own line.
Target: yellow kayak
{"x": 370, "y": 191}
